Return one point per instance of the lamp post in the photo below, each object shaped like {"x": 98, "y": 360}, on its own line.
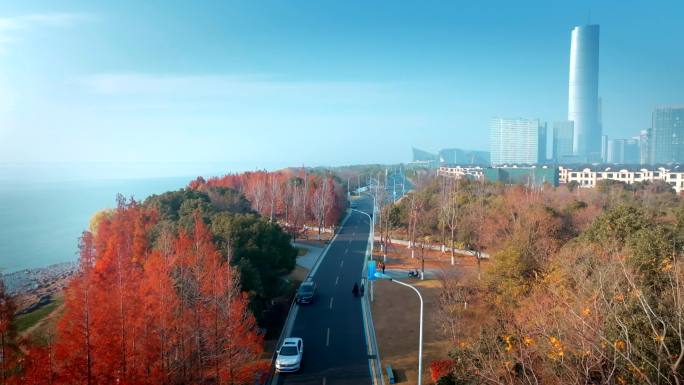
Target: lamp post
{"x": 420, "y": 329}
{"x": 371, "y": 238}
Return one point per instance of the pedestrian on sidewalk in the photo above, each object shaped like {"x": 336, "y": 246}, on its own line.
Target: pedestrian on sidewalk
{"x": 382, "y": 265}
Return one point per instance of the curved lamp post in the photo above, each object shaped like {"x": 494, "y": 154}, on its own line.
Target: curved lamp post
{"x": 420, "y": 330}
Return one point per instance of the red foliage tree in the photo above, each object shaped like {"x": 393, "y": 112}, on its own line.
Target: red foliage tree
{"x": 440, "y": 368}
{"x": 8, "y": 347}
{"x": 138, "y": 315}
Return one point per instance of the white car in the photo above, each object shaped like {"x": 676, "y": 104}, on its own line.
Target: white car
{"x": 289, "y": 357}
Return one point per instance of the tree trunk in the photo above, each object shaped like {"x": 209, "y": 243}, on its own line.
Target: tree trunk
{"x": 453, "y": 252}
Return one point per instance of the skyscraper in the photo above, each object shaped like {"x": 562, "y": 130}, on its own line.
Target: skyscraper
{"x": 517, "y": 141}
{"x": 562, "y": 140}
{"x": 583, "y": 100}
{"x": 644, "y": 147}
{"x": 623, "y": 151}
{"x": 666, "y": 141}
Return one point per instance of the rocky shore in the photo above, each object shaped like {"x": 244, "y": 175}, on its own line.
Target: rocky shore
{"x": 33, "y": 288}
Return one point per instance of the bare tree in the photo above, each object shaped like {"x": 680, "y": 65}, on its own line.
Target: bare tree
{"x": 453, "y": 302}
{"x": 257, "y": 191}
{"x": 274, "y": 193}
{"x": 450, "y": 212}
{"x": 321, "y": 203}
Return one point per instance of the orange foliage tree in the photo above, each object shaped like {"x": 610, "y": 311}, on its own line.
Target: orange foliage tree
{"x": 142, "y": 312}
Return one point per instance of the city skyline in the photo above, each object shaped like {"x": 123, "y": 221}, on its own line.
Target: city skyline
{"x": 260, "y": 79}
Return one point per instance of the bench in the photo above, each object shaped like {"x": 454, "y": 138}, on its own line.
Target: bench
{"x": 390, "y": 374}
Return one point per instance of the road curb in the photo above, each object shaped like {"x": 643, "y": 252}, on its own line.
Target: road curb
{"x": 374, "y": 364}
{"x": 294, "y": 307}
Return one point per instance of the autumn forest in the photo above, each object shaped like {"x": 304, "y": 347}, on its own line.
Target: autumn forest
{"x": 176, "y": 289}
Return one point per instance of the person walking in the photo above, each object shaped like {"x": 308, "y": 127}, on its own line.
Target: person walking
{"x": 382, "y": 266}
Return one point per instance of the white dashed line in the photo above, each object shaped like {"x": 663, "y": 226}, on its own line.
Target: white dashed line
{"x": 342, "y": 263}
{"x": 331, "y": 302}
{"x": 327, "y": 338}
{"x": 337, "y": 280}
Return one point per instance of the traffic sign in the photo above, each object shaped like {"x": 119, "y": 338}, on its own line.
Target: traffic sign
{"x": 371, "y": 270}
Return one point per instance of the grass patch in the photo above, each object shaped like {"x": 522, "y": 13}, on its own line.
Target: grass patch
{"x": 301, "y": 251}
{"x": 28, "y": 320}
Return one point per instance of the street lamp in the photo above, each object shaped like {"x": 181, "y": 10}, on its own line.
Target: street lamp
{"x": 371, "y": 238}
{"x": 420, "y": 330}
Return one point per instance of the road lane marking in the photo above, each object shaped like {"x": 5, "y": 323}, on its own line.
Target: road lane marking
{"x": 337, "y": 279}
{"x": 346, "y": 250}
{"x": 342, "y": 263}
{"x": 331, "y": 302}
{"x": 323, "y": 380}
{"x": 327, "y": 338}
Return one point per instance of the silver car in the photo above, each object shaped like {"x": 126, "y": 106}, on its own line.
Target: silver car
{"x": 289, "y": 358}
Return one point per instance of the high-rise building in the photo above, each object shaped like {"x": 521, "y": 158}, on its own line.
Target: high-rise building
{"x": 562, "y": 140}
{"x": 666, "y": 144}
{"x": 604, "y": 148}
{"x": 623, "y": 151}
{"x": 644, "y": 149}
{"x": 517, "y": 141}
{"x": 583, "y": 100}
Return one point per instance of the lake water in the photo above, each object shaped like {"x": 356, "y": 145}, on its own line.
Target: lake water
{"x": 40, "y": 222}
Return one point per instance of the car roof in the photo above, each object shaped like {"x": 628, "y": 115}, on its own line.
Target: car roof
{"x": 307, "y": 283}
{"x": 291, "y": 341}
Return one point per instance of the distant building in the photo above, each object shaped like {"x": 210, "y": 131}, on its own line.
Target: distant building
{"x": 562, "y": 140}
{"x": 459, "y": 172}
{"x": 588, "y": 178}
{"x": 604, "y": 148}
{"x": 451, "y": 156}
{"x": 463, "y": 157}
{"x": 666, "y": 139}
{"x": 531, "y": 176}
{"x": 583, "y": 101}
{"x": 420, "y": 156}
{"x": 623, "y": 151}
{"x": 518, "y": 141}
{"x": 644, "y": 154}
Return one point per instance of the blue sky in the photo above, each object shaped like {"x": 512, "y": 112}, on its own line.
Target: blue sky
{"x": 264, "y": 84}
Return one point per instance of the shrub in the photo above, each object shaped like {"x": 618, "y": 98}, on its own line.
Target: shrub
{"x": 441, "y": 368}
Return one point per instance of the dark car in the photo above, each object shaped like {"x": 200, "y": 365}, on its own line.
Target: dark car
{"x": 306, "y": 292}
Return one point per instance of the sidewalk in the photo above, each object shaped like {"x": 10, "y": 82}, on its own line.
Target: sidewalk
{"x": 313, "y": 251}
{"x": 403, "y": 273}
{"x": 435, "y": 247}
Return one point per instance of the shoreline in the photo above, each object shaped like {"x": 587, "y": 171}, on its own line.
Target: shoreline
{"x": 36, "y": 287}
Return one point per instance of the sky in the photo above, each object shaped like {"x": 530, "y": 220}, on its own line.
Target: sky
{"x": 163, "y": 87}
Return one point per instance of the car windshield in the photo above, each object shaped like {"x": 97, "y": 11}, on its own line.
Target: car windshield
{"x": 288, "y": 351}
{"x": 305, "y": 289}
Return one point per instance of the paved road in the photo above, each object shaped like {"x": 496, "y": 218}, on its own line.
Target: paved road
{"x": 332, "y": 328}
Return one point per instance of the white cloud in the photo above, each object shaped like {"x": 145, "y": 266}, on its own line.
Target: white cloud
{"x": 13, "y": 26}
